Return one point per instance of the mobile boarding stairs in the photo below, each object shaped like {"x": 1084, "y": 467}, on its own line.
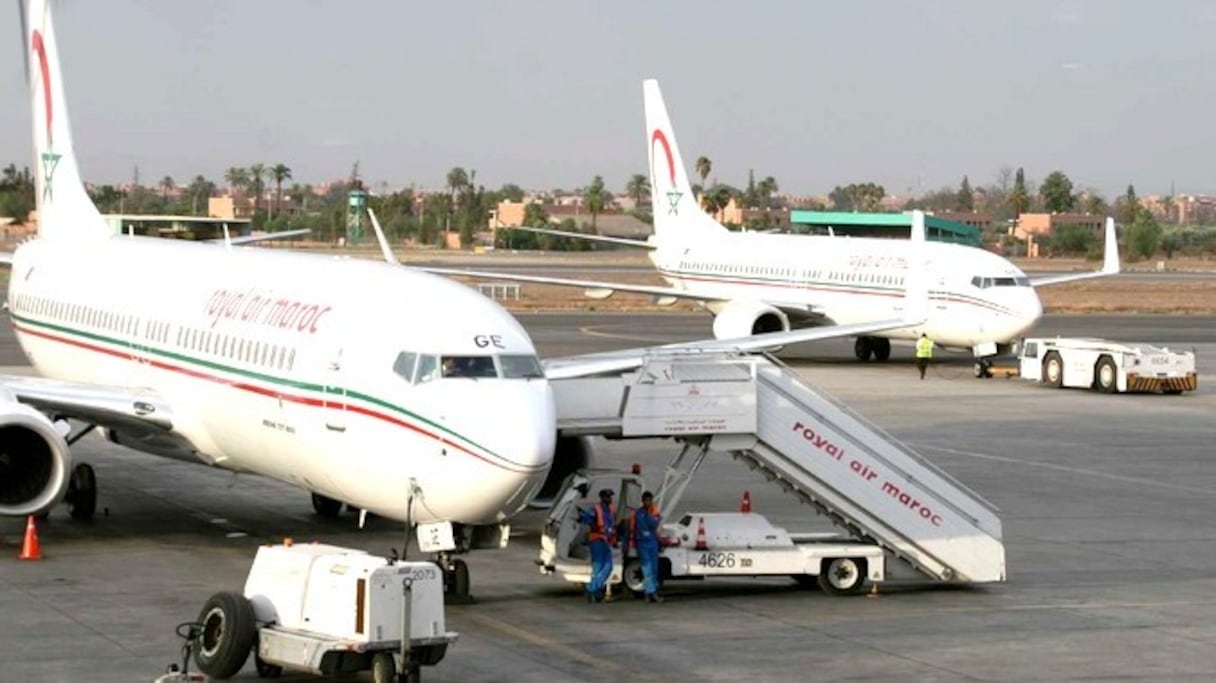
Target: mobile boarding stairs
{"x": 812, "y": 446}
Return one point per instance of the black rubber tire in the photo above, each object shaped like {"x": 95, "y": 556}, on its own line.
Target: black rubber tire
{"x": 980, "y": 370}
{"x": 266, "y": 670}
{"x": 842, "y": 575}
{"x": 863, "y": 349}
{"x": 632, "y": 578}
{"x": 1106, "y": 375}
{"x": 326, "y": 506}
{"x": 82, "y": 492}
{"x": 227, "y": 636}
{"x": 1053, "y": 358}
{"x": 882, "y": 349}
{"x": 384, "y": 668}
{"x": 458, "y": 580}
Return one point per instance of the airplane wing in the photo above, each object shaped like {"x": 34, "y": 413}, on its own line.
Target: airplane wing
{"x": 641, "y": 244}
{"x": 120, "y": 408}
{"x": 594, "y": 289}
{"x": 1110, "y": 262}
{"x": 250, "y": 239}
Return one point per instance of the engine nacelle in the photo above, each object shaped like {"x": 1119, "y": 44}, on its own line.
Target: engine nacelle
{"x": 737, "y": 319}
{"x": 35, "y": 461}
{"x": 571, "y": 454}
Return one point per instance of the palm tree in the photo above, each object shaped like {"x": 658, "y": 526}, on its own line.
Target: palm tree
{"x": 257, "y": 184}
{"x": 458, "y": 180}
{"x": 766, "y": 188}
{"x": 595, "y": 197}
{"x": 637, "y": 188}
{"x": 704, "y": 166}
{"x": 237, "y": 178}
{"x": 199, "y": 188}
{"x": 166, "y": 186}
{"x": 279, "y": 172}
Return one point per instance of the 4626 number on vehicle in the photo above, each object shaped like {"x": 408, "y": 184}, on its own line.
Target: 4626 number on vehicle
{"x": 717, "y": 560}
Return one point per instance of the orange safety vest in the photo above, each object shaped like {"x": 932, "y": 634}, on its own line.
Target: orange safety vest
{"x": 632, "y": 541}
{"x": 599, "y": 530}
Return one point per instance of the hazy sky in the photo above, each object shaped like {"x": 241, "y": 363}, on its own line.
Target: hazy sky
{"x": 910, "y": 94}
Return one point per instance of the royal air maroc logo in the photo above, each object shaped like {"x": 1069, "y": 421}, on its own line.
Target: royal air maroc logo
{"x": 673, "y": 195}
{"x": 49, "y": 159}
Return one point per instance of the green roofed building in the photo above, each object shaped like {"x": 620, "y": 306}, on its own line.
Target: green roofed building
{"x": 884, "y": 225}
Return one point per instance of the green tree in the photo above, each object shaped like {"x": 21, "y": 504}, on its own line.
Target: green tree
{"x": 1019, "y": 198}
{"x": 1094, "y": 203}
{"x": 279, "y": 172}
{"x": 704, "y": 166}
{"x": 199, "y": 190}
{"x": 1056, "y": 192}
{"x": 595, "y": 198}
{"x": 16, "y": 192}
{"x": 237, "y": 178}
{"x": 1130, "y": 208}
{"x": 766, "y": 188}
{"x": 1168, "y": 205}
{"x": 257, "y": 185}
{"x": 966, "y": 197}
{"x": 857, "y": 197}
{"x": 1070, "y": 240}
{"x": 1143, "y": 235}
{"x": 638, "y": 189}
{"x": 166, "y": 185}
{"x": 511, "y": 192}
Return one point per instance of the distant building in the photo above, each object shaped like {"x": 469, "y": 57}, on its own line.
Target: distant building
{"x": 230, "y": 207}
{"x": 1045, "y": 223}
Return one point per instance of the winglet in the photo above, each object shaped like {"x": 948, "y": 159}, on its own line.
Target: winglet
{"x": 386, "y": 250}
{"x": 916, "y": 281}
{"x": 1110, "y": 257}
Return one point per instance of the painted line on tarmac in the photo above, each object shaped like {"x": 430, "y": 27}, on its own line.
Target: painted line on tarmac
{"x": 1072, "y": 470}
{"x": 556, "y": 647}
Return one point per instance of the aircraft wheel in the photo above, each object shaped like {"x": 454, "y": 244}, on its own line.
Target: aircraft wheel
{"x": 1053, "y": 370}
{"x": 863, "y": 348}
{"x": 457, "y": 582}
{"x": 1106, "y": 377}
{"x": 326, "y": 506}
{"x": 82, "y": 492}
{"x": 882, "y": 349}
{"x": 842, "y": 576}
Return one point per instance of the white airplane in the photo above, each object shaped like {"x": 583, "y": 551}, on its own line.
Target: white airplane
{"x": 387, "y": 388}
{"x": 761, "y": 282}
{"x": 328, "y": 373}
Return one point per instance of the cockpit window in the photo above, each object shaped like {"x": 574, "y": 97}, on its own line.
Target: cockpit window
{"x": 469, "y": 366}
{"x": 428, "y": 369}
{"x": 404, "y": 365}
{"x": 986, "y": 282}
{"x": 520, "y": 367}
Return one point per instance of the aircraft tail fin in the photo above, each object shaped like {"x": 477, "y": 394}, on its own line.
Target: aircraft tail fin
{"x": 65, "y": 210}
{"x": 677, "y": 216}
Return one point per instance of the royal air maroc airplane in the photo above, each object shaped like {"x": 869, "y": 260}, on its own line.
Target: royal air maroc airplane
{"x": 386, "y": 388}
{"x": 755, "y": 283}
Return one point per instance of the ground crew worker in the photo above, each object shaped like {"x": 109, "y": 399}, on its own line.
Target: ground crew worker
{"x": 924, "y": 353}
{"x": 645, "y": 533}
{"x": 601, "y": 537}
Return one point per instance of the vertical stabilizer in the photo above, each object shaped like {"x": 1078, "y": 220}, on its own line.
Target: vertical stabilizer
{"x": 1110, "y": 256}
{"x": 916, "y": 280}
{"x": 64, "y": 208}
{"x": 677, "y": 216}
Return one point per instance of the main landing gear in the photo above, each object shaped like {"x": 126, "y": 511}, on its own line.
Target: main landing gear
{"x": 455, "y": 579}
{"x": 877, "y": 347}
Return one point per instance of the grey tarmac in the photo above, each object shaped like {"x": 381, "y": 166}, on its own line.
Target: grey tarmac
{"x": 1108, "y": 503}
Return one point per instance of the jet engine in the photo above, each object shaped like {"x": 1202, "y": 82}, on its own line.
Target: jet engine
{"x": 572, "y": 453}
{"x": 35, "y": 461}
{"x": 745, "y": 318}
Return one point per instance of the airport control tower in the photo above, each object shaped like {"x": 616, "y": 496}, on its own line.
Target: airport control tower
{"x": 356, "y": 207}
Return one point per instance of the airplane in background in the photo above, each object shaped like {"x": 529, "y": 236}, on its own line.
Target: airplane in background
{"x": 383, "y": 387}
{"x": 755, "y": 283}
{"x": 322, "y": 372}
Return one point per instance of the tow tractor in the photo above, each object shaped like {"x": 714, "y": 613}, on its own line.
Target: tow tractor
{"x": 1100, "y": 364}
{"x": 324, "y": 609}
{"x": 701, "y": 544}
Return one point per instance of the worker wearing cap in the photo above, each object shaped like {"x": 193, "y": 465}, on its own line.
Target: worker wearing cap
{"x": 645, "y": 532}
{"x": 924, "y": 353}
{"x": 601, "y": 537}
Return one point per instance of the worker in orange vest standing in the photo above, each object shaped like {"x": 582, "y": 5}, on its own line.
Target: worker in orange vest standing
{"x": 601, "y": 536}
{"x": 645, "y": 531}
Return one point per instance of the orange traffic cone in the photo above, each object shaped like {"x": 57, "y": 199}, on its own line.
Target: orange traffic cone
{"x": 702, "y": 544}
{"x": 746, "y": 505}
{"x": 30, "y": 548}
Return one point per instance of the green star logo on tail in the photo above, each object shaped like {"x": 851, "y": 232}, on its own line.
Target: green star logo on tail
{"x": 50, "y": 161}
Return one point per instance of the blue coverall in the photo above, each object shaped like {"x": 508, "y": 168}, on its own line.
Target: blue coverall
{"x": 646, "y": 521}
{"x": 601, "y": 522}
